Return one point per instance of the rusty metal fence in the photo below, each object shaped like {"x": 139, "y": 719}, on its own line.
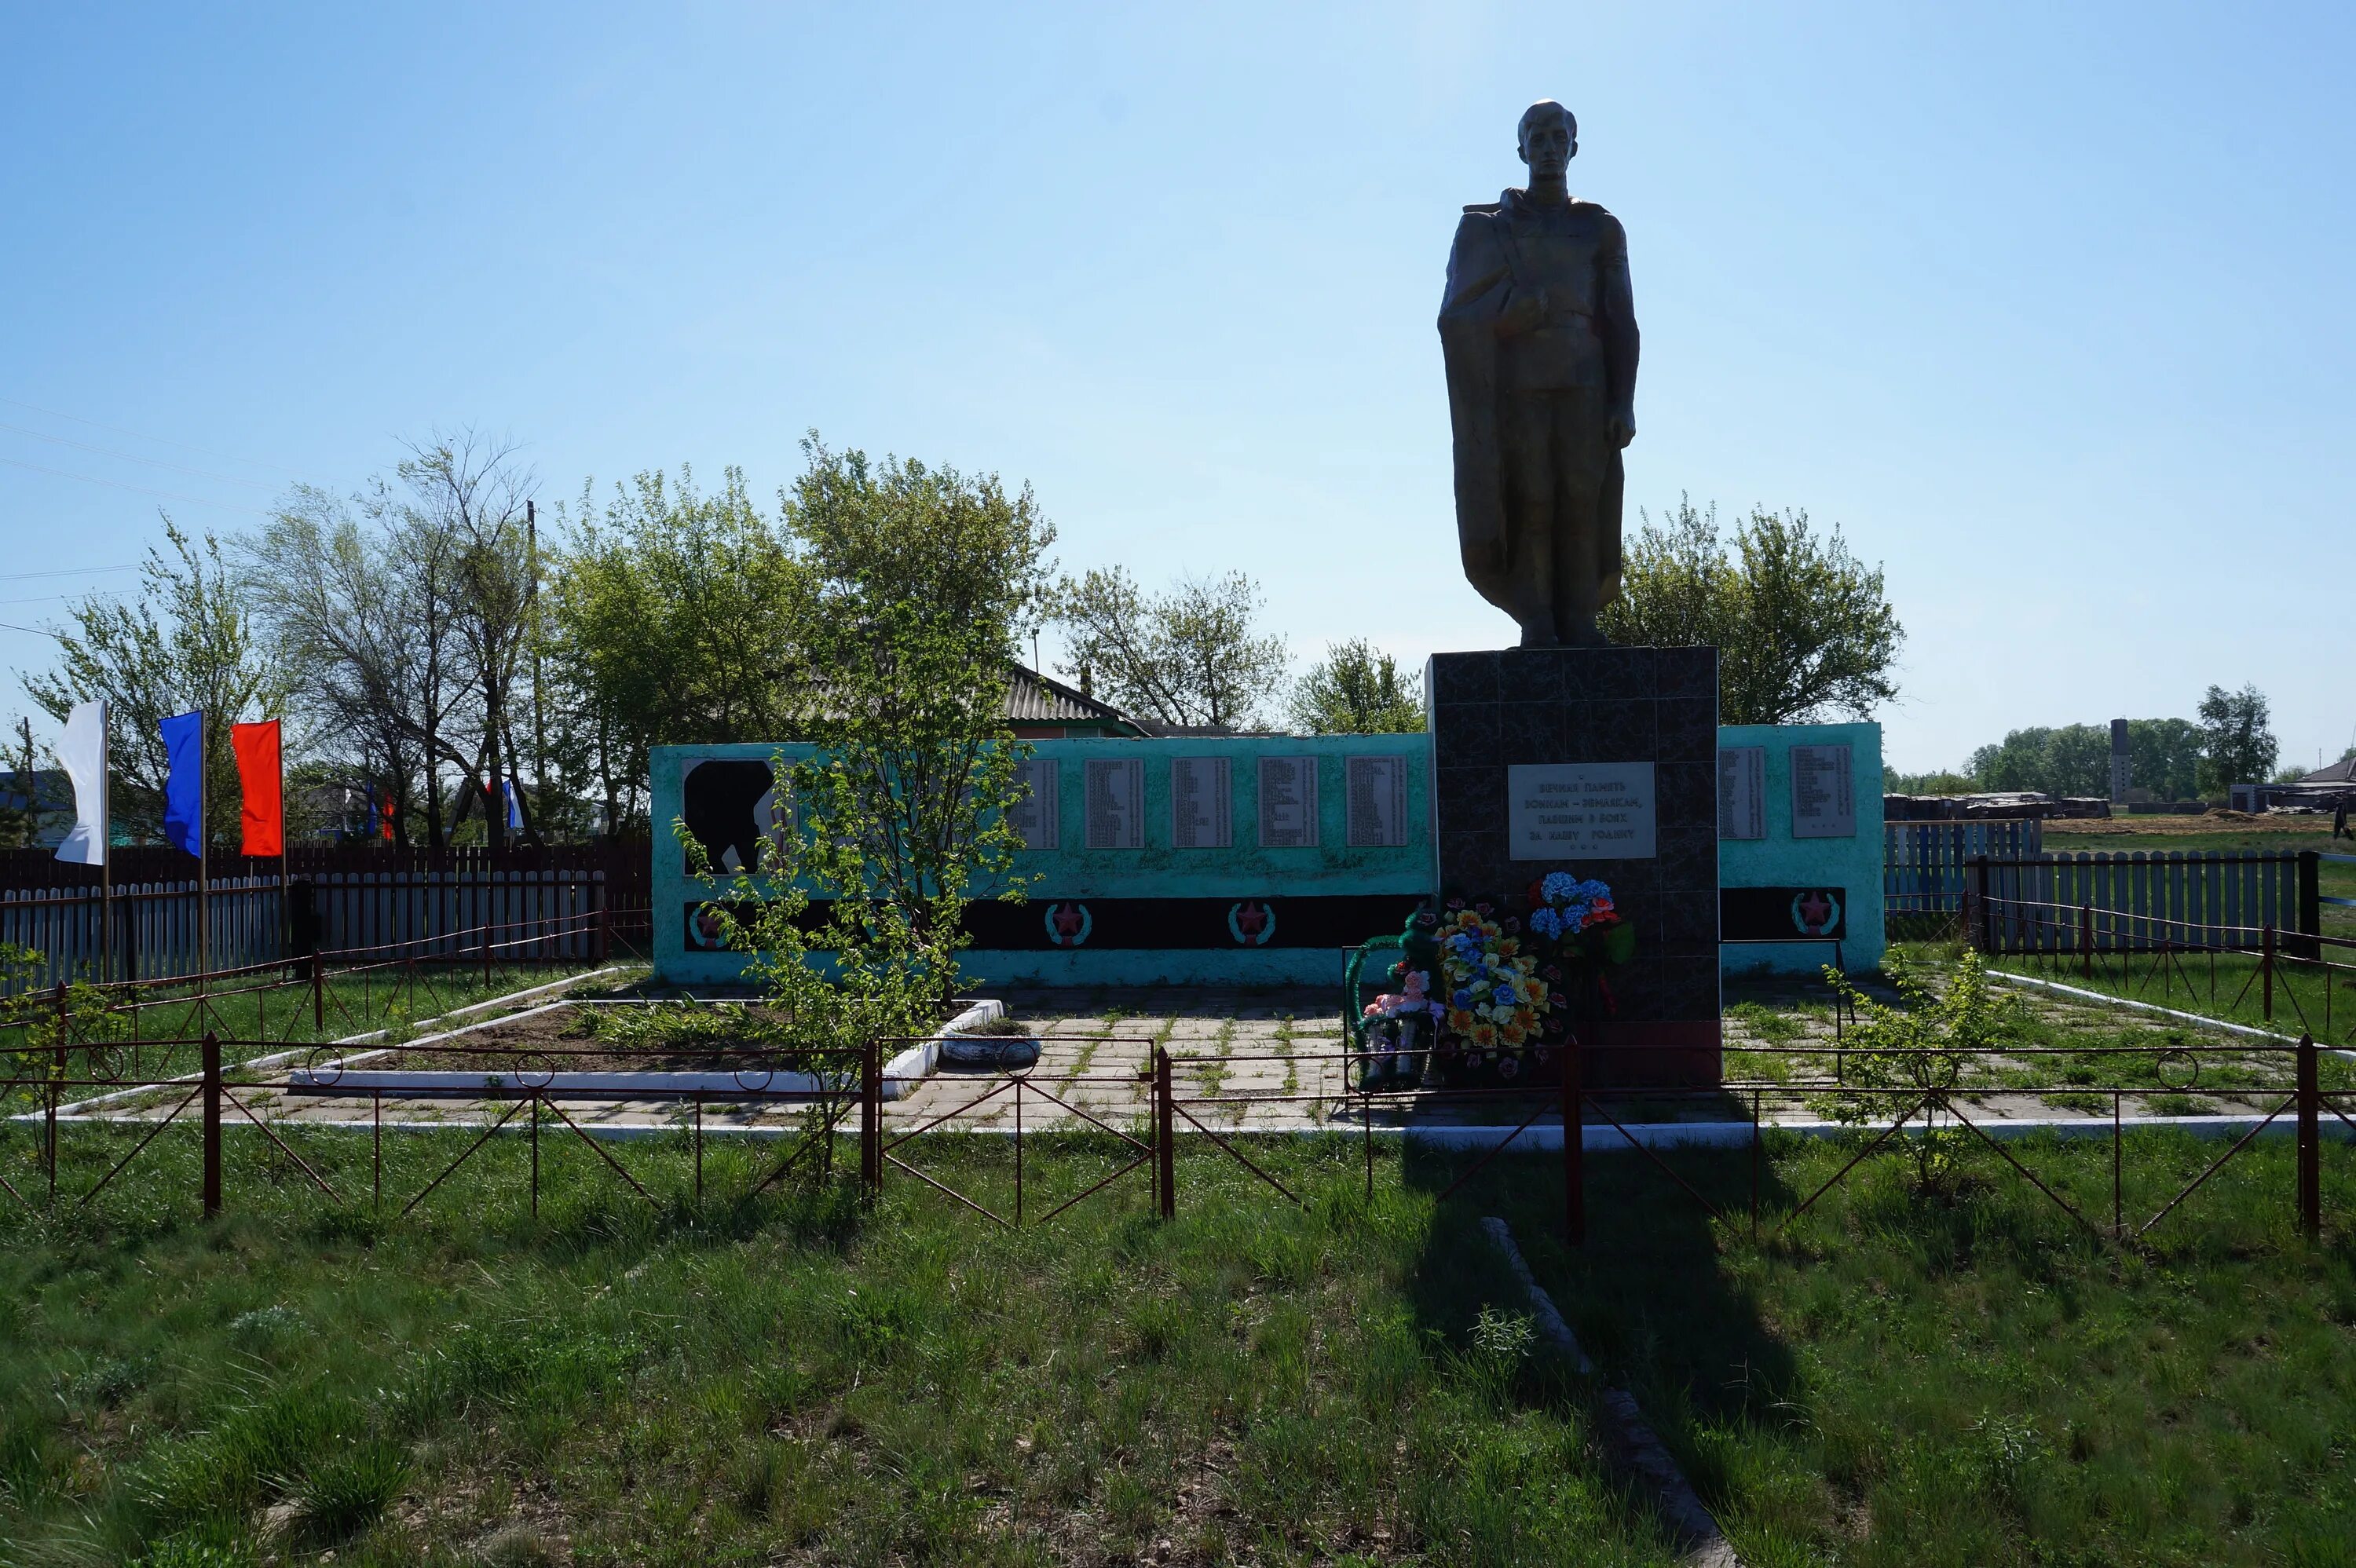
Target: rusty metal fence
{"x": 843, "y": 1093}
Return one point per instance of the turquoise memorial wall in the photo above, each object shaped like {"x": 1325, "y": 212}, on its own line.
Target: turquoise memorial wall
{"x": 1799, "y": 847}
{"x": 1224, "y": 861}
{"x": 1253, "y": 860}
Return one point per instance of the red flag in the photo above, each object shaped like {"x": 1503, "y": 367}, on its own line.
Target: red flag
{"x": 258, "y": 775}
{"x": 387, "y": 832}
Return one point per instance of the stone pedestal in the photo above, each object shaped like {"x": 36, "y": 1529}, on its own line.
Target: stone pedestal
{"x": 1601, "y": 762}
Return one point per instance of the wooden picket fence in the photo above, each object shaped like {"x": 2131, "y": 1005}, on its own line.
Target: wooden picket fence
{"x": 2138, "y": 902}
{"x": 1927, "y": 865}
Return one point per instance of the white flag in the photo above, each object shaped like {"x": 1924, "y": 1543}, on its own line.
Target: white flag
{"x": 83, "y": 751}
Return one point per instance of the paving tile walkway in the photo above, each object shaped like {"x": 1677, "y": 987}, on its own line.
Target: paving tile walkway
{"x": 1248, "y": 1060}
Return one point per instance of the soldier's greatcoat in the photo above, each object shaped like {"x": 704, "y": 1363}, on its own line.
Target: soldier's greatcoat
{"x": 1574, "y": 259}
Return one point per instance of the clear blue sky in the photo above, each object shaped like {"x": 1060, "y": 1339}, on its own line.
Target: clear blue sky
{"x": 2048, "y": 307}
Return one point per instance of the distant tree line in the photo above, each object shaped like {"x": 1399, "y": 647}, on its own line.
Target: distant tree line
{"x": 2175, "y": 758}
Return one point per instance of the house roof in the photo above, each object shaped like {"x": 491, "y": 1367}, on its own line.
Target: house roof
{"x": 1034, "y": 698}
{"x": 2341, "y": 772}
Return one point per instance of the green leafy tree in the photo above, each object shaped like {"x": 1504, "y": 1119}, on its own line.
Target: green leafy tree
{"x": 1357, "y": 689}
{"x": 915, "y": 585}
{"x": 670, "y": 620}
{"x": 2164, "y": 757}
{"x": 910, "y": 588}
{"x": 186, "y": 642}
{"x": 1804, "y": 629}
{"x": 2237, "y": 747}
{"x": 1192, "y": 656}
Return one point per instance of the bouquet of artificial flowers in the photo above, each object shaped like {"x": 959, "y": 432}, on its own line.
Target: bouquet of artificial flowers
{"x": 1498, "y": 1003}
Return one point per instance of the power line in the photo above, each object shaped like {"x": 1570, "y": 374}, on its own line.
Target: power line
{"x": 134, "y": 457}
{"x": 135, "y": 489}
{"x": 63, "y": 572}
{"x": 159, "y": 440}
{"x": 36, "y": 630}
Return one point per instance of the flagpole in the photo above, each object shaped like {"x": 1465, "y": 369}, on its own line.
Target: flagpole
{"x": 204, "y": 884}
{"x": 286, "y": 896}
{"x": 105, "y": 852}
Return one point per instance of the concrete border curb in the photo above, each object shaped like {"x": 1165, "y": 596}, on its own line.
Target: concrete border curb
{"x": 1635, "y": 1447}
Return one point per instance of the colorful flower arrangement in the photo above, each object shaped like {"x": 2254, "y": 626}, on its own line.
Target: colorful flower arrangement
{"x": 1509, "y": 981}
{"x": 1496, "y": 998}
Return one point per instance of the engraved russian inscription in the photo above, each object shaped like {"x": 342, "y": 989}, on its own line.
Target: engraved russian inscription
{"x": 1580, "y": 811}
{"x": 1376, "y": 798}
{"x": 1288, "y": 802}
{"x": 1116, "y": 803}
{"x": 1200, "y": 812}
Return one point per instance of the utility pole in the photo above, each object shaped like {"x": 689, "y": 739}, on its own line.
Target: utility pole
{"x": 539, "y": 719}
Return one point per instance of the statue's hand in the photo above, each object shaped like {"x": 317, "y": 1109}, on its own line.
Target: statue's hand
{"x": 1623, "y": 425}
{"x": 1525, "y": 312}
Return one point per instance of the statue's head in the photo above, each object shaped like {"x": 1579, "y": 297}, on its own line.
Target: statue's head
{"x": 1548, "y": 138}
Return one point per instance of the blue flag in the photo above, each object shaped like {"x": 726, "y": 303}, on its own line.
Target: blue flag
{"x": 184, "y": 785}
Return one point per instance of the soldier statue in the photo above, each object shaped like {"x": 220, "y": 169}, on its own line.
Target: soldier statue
{"x": 1539, "y": 332}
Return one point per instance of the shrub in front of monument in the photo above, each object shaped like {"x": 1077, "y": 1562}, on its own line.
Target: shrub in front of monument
{"x": 1915, "y": 1054}
{"x": 1513, "y": 987}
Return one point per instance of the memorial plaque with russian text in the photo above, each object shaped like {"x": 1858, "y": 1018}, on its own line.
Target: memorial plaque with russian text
{"x": 1580, "y": 811}
{"x": 1116, "y": 803}
{"x": 1288, "y": 802}
{"x": 1824, "y": 794}
{"x": 1742, "y": 791}
{"x": 1200, "y": 818}
{"x": 1036, "y": 815}
{"x": 1377, "y": 802}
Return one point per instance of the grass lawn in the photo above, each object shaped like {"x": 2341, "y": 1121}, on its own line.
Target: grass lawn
{"x": 2098, "y": 1045}
{"x": 1969, "y": 1379}
{"x": 258, "y": 1022}
{"x": 793, "y": 1379}
{"x": 2229, "y": 985}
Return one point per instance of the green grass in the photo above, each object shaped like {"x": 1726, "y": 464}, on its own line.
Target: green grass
{"x": 794, "y": 1379}
{"x": 2227, "y": 986}
{"x": 256, "y": 1022}
{"x": 1969, "y": 1378}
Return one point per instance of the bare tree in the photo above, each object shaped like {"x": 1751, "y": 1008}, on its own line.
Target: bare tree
{"x": 407, "y": 613}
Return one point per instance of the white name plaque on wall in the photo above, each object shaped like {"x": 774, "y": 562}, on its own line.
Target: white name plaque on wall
{"x": 1116, "y": 803}
{"x": 1824, "y": 796}
{"x": 1036, "y": 815}
{"x": 1742, "y": 791}
{"x": 1580, "y": 811}
{"x": 1288, "y": 802}
{"x": 1200, "y": 812}
{"x": 1377, "y": 796}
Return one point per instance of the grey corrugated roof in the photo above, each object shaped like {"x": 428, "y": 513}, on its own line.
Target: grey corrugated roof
{"x": 2341, "y": 772}
{"x": 1035, "y": 699}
